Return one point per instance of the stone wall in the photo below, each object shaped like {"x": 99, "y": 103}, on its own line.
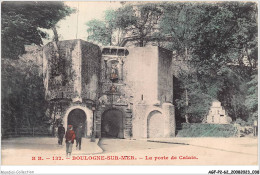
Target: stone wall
{"x": 142, "y": 114}
{"x": 58, "y": 69}
{"x": 142, "y": 73}
{"x": 115, "y": 93}
{"x": 148, "y": 73}
{"x": 71, "y": 70}
{"x": 170, "y": 122}
{"x": 91, "y": 65}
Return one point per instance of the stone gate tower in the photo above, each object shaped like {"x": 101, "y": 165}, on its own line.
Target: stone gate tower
{"x": 71, "y": 72}
{"x": 113, "y": 91}
{"x": 136, "y": 93}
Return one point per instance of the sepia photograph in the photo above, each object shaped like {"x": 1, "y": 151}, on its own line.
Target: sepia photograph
{"x": 129, "y": 83}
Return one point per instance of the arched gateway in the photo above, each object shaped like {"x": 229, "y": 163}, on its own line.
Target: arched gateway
{"x": 77, "y": 117}
{"x": 112, "y": 124}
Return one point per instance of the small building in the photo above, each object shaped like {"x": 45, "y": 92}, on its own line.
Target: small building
{"x": 217, "y": 114}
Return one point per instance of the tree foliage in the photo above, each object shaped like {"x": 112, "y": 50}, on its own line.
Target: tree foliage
{"x": 23, "y": 104}
{"x": 251, "y": 101}
{"x": 98, "y": 32}
{"x": 21, "y": 23}
{"x": 216, "y": 39}
{"x": 135, "y": 21}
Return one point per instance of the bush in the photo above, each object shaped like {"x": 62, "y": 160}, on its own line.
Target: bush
{"x": 206, "y": 130}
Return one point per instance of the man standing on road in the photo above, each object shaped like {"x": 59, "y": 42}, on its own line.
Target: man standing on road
{"x": 61, "y": 132}
{"x": 70, "y": 136}
{"x": 79, "y": 134}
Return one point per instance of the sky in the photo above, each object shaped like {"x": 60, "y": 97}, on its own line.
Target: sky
{"x": 67, "y": 28}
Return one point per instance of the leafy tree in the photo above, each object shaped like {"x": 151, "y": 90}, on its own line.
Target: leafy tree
{"x": 252, "y": 98}
{"x": 214, "y": 37}
{"x": 98, "y": 32}
{"x": 194, "y": 100}
{"x": 232, "y": 93}
{"x": 137, "y": 21}
{"x": 23, "y": 103}
{"x": 223, "y": 42}
{"x": 101, "y": 32}
{"x": 212, "y": 32}
{"x": 21, "y": 23}
{"x": 181, "y": 21}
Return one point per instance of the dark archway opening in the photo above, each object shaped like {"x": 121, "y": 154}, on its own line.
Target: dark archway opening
{"x": 112, "y": 124}
{"x": 77, "y": 117}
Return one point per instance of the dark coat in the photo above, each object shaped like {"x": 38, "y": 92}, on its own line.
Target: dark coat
{"x": 61, "y": 130}
{"x": 79, "y": 132}
{"x": 70, "y": 136}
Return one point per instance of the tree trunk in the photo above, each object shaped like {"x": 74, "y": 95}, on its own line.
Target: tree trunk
{"x": 186, "y": 53}
{"x": 187, "y": 118}
{"x": 56, "y": 37}
{"x": 187, "y": 104}
{"x": 235, "y": 106}
{"x": 15, "y": 125}
{"x": 118, "y": 37}
{"x": 141, "y": 44}
{"x": 249, "y": 60}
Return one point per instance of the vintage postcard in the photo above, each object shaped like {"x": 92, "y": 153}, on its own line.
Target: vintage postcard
{"x": 130, "y": 83}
